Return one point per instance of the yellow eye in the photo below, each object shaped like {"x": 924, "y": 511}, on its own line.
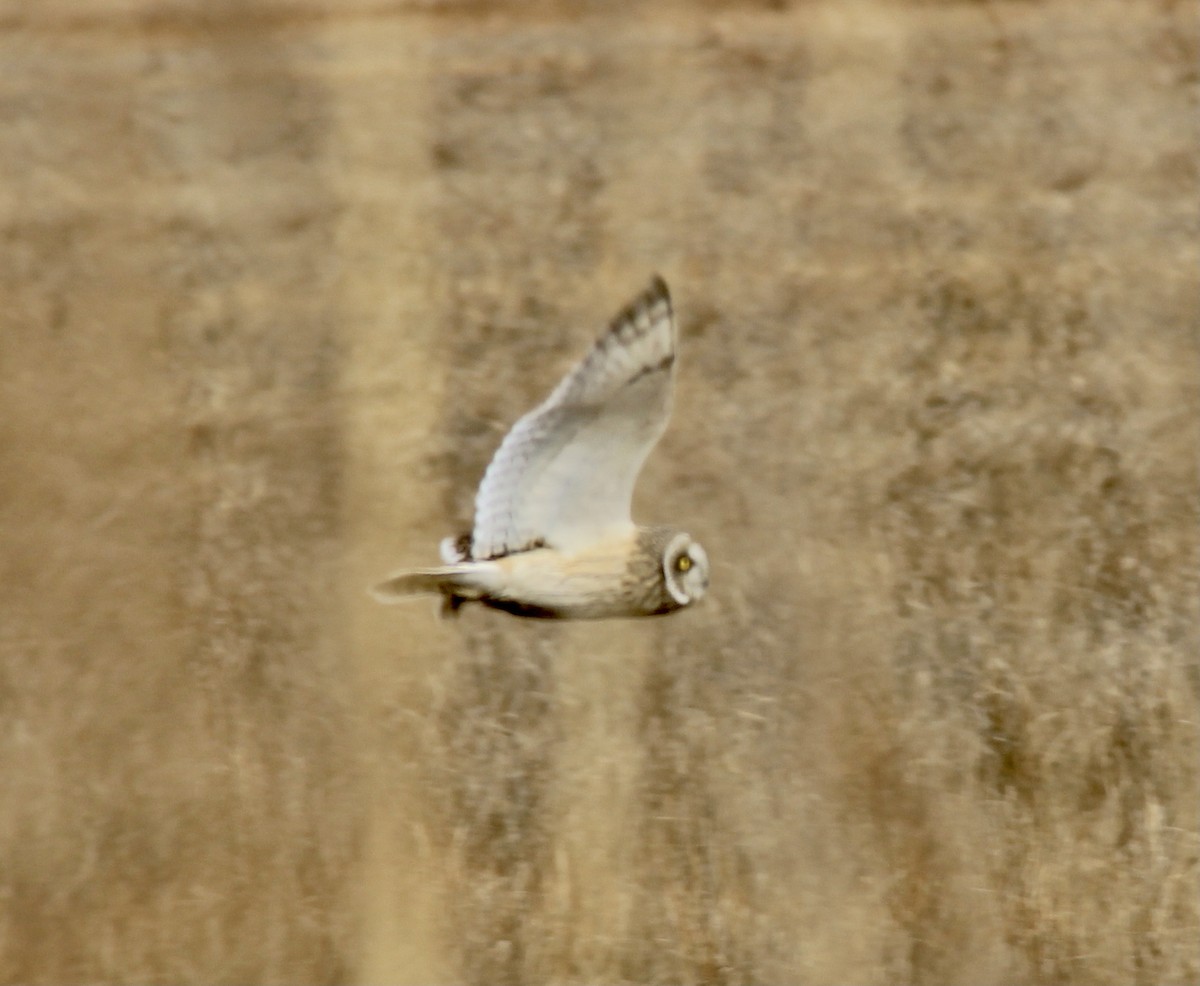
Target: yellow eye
{"x": 683, "y": 563}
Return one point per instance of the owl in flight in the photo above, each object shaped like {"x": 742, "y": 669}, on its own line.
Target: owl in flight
{"x": 553, "y": 536}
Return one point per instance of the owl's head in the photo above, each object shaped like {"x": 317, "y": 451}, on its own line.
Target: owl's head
{"x": 685, "y": 569}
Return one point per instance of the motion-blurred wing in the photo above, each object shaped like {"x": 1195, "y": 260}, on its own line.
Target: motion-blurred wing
{"x": 564, "y": 475}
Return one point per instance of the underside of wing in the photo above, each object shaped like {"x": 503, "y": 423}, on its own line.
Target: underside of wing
{"x": 565, "y": 473}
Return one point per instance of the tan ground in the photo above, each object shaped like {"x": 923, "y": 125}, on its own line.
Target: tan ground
{"x": 277, "y": 276}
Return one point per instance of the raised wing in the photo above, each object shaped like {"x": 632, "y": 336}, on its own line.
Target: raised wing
{"x": 564, "y": 474}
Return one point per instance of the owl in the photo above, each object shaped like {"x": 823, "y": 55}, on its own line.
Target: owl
{"x": 553, "y": 536}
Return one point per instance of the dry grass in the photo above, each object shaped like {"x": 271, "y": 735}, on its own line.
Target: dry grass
{"x": 275, "y": 285}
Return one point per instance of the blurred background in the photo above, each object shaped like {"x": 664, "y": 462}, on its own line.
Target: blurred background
{"x": 277, "y": 276}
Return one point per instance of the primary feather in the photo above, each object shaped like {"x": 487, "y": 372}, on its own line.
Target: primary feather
{"x": 564, "y": 475}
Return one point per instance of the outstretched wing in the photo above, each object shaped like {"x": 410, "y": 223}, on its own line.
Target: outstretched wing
{"x": 564, "y": 475}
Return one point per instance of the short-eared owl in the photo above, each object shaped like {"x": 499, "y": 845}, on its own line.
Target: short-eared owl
{"x": 553, "y": 535}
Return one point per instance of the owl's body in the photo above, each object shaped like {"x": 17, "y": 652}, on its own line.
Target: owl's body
{"x": 553, "y": 535}
{"x": 617, "y": 576}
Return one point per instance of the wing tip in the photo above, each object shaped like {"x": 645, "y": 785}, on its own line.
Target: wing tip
{"x": 656, "y": 293}
{"x": 641, "y": 314}
{"x": 457, "y": 549}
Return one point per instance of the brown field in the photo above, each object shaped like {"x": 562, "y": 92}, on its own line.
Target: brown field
{"x": 277, "y": 276}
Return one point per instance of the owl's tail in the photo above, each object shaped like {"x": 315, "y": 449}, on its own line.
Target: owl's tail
{"x": 455, "y": 582}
